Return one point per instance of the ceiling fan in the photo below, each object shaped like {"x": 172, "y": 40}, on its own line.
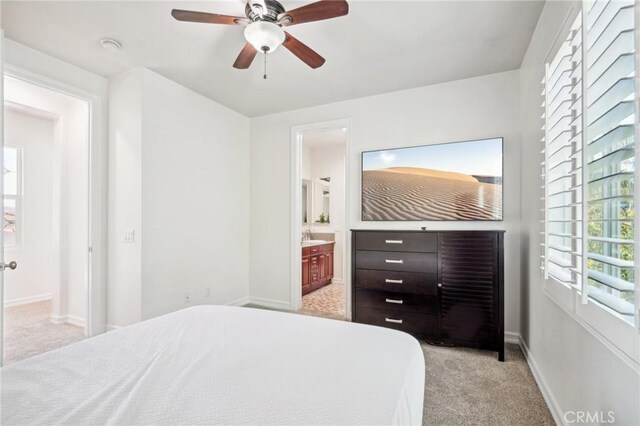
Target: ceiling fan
{"x": 263, "y": 27}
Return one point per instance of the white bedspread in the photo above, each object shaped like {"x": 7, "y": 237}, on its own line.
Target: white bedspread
{"x": 223, "y": 365}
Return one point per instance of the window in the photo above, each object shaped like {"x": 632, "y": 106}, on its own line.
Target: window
{"x": 610, "y": 155}
{"x": 588, "y": 171}
{"x": 12, "y": 179}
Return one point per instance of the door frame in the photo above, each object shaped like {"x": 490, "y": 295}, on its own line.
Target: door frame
{"x": 96, "y": 317}
{"x": 297, "y": 134}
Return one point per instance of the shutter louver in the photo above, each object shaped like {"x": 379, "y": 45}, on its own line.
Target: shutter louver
{"x": 562, "y": 165}
{"x": 610, "y": 140}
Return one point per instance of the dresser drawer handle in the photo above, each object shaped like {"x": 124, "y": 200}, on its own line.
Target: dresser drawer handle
{"x": 393, "y": 241}
{"x": 394, "y": 261}
{"x": 393, "y": 320}
{"x": 397, "y": 301}
{"x": 390, "y": 281}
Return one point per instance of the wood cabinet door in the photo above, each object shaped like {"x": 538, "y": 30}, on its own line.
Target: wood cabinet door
{"x": 314, "y": 275}
{"x": 322, "y": 267}
{"x": 329, "y": 265}
{"x": 469, "y": 288}
{"x": 306, "y": 275}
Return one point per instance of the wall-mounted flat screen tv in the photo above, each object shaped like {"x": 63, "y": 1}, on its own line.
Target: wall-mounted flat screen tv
{"x": 443, "y": 182}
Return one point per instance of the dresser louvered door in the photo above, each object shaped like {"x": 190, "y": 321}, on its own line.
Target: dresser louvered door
{"x": 470, "y": 289}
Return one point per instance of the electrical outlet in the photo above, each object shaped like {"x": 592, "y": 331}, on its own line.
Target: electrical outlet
{"x": 187, "y": 299}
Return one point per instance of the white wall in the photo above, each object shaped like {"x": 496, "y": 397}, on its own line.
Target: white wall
{"x": 577, "y": 371}
{"x": 34, "y": 251}
{"x": 73, "y": 220}
{"x": 124, "y": 301}
{"x": 195, "y": 199}
{"x": 475, "y": 108}
{"x": 179, "y": 178}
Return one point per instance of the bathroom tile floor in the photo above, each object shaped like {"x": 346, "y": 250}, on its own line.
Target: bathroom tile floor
{"x": 327, "y": 302}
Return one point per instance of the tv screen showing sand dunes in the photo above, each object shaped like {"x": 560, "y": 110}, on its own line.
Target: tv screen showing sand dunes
{"x": 452, "y": 181}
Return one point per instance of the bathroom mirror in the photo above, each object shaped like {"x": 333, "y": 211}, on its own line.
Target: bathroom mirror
{"x": 306, "y": 200}
{"x": 321, "y": 201}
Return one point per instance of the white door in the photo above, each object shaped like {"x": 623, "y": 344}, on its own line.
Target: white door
{"x": 1, "y": 191}
{"x": 9, "y": 264}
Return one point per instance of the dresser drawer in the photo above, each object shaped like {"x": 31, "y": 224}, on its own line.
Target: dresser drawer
{"x": 401, "y": 282}
{"x": 397, "y": 261}
{"x": 421, "y": 242}
{"x": 396, "y": 301}
{"x": 410, "y": 322}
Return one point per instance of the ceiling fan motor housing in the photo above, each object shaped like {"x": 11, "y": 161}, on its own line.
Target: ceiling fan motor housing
{"x": 274, "y": 8}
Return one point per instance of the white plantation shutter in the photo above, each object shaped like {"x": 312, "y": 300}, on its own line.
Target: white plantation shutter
{"x": 562, "y": 165}
{"x": 610, "y": 94}
{"x": 588, "y": 170}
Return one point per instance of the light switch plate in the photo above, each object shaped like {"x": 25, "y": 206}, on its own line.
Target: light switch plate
{"x": 129, "y": 236}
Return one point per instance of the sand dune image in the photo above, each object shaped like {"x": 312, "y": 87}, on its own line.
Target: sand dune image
{"x": 409, "y": 193}
{"x": 431, "y": 173}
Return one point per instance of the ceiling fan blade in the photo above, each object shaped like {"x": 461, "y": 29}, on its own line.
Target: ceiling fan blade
{"x": 302, "y": 51}
{"x": 208, "y": 18}
{"x": 246, "y": 56}
{"x": 324, "y": 9}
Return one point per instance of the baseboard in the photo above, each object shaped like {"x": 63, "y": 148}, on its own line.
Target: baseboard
{"x": 58, "y": 319}
{"x": 239, "y": 302}
{"x": 74, "y": 320}
{"x": 111, "y": 327}
{"x": 512, "y": 337}
{"x": 337, "y": 281}
{"x": 68, "y": 319}
{"x": 553, "y": 405}
{"x": 26, "y": 300}
{"x": 277, "y": 305}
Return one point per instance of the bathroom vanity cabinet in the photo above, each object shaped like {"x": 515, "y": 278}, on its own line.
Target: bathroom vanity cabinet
{"x": 317, "y": 266}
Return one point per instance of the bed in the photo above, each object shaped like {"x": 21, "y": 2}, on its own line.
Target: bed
{"x": 223, "y": 365}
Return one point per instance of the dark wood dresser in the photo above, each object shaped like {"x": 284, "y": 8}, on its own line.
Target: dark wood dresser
{"x": 446, "y": 286}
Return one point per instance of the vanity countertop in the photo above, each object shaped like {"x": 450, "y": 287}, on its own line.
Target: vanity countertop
{"x": 308, "y": 244}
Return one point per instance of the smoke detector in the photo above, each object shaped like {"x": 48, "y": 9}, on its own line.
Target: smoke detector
{"x": 110, "y": 44}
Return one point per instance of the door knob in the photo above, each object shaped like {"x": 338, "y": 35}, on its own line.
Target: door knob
{"x": 11, "y": 265}
{"x": 440, "y": 285}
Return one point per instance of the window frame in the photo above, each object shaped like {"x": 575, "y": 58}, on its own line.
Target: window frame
{"x": 610, "y": 328}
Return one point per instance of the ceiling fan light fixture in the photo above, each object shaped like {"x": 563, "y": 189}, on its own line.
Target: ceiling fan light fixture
{"x": 264, "y": 36}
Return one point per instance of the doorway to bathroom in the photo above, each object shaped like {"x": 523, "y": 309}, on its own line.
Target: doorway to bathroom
{"x": 320, "y": 284}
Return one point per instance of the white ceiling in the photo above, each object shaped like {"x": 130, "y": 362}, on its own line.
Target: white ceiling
{"x": 324, "y": 138}
{"x": 381, "y": 46}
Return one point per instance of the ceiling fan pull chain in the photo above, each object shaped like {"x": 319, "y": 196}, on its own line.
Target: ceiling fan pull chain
{"x": 265, "y": 66}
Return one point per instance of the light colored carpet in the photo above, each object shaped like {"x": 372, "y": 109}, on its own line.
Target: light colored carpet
{"x": 470, "y": 387}
{"x": 327, "y": 302}
{"x": 29, "y": 332}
